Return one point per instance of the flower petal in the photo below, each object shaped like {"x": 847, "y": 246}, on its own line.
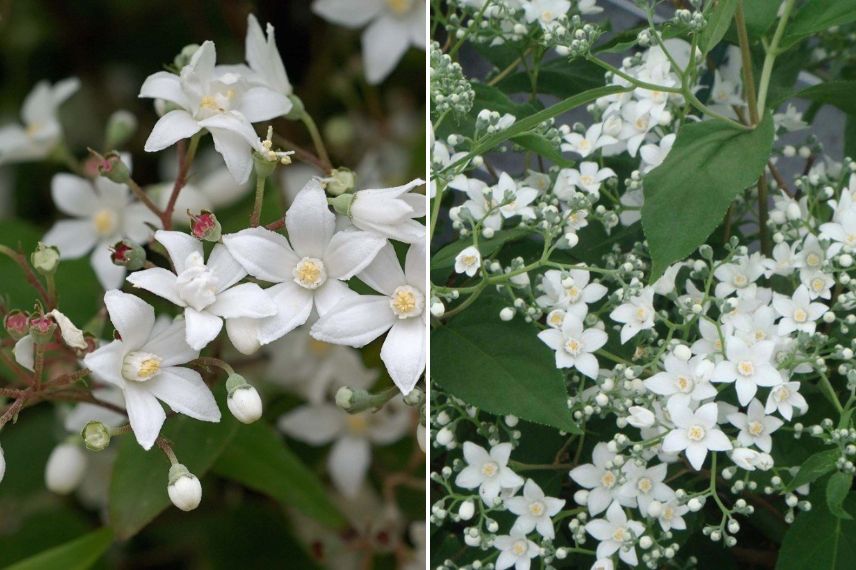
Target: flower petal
{"x": 331, "y": 294}
{"x": 244, "y": 300}
{"x": 348, "y": 464}
{"x": 309, "y": 221}
{"x": 159, "y": 281}
{"x": 403, "y": 353}
{"x": 264, "y": 254}
{"x": 73, "y": 195}
{"x": 166, "y": 86}
{"x": 170, "y": 345}
{"x": 179, "y": 245}
{"x": 202, "y": 327}
{"x": 313, "y": 424}
{"x": 355, "y": 322}
{"x": 132, "y": 317}
{"x": 171, "y": 128}
{"x": 384, "y": 42}
{"x": 349, "y": 252}
{"x": 244, "y": 334}
{"x": 293, "y": 303}
{"x": 145, "y": 414}
{"x": 348, "y": 13}
{"x": 263, "y": 104}
{"x": 225, "y": 267}
{"x": 384, "y": 273}
{"x": 73, "y": 238}
{"x": 25, "y": 352}
{"x": 236, "y": 152}
{"x": 183, "y": 390}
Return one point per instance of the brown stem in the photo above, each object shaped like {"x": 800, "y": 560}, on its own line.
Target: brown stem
{"x": 13, "y": 409}
{"x": 166, "y": 447}
{"x": 144, "y": 198}
{"x": 185, "y": 159}
{"x": 780, "y": 180}
{"x": 276, "y": 225}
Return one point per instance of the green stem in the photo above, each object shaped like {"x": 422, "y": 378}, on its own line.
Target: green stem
{"x": 772, "y": 53}
{"x": 320, "y": 149}
{"x": 257, "y": 205}
{"x": 829, "y": 392}
{"x": 746, "y": 64}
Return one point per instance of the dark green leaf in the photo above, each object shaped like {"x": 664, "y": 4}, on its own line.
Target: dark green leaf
{"x": 837, "y": 490}
{"x": 542, "y": 147}
{"x": 558, "y": 77}
{"x": 837, "y": 93}
{"x": 500, "y": 367}
{"x": 760, "y": 15}
{"x": 687, "y": 196}
{"x": 718, "y": 23}
{"x": 819, "y": 541}
{"x": 78, "y": 554}
{"x": 817, "y": 16}
{"x": 138, "y": 488}
{"x": 258, "y": 458}
{"x": 815, "y": 467}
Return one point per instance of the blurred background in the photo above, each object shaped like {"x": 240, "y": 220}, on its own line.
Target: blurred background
{"x": 378, "y": 131}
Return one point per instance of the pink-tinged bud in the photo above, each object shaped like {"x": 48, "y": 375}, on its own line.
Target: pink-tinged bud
{"x": 128, "y": 254}
{"x": 17, "y": 324}
{"x": 42, "y": 328}
{"x": 110, "y": 166}
{"x": 205, "y": 226}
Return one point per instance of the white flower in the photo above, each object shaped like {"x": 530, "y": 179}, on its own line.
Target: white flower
{"x": 546, "y": 12}
{"x": 637, "y": 314}
{"x": 223, "y": 102}
{"x": 744, "y": 458}
{"x": 390, "y": 212}
{"x": 671, "y": 516}
{"x": 493, "y": 204}
{"x": 755, "y": 426}
{"x": 645, "y": 485}
{"x": 144, "y": 364}
{"x": 586, "y": 144}
{"x": 400, "y": 309}
{"x": 352, "y": 435}
{"x": 695, "y": 432}
{"x": 264, "y": 59}
{"x": 653, "y": 155}
{"x": 589, "y": 177}
{"x": 574, "y": 345}
{"x": 516, "y": 550}
{"x": 571, "y": 291}
{"x": 487, "y": 471}
{"x": 738, "y": 275}
{"x": 309, "y": 268}
{"x": 616, "y": 533}
{"x": 468, "y": 261}
{"x": 207, "y": 291}
{"x": 685, "y": 381}
{"x": 784, "y": 398}
{"x": 42, "y": 130}
{"x": 790, "y": 120}
{"x": 395, "y": 26}
{"x": 104, "y": 213}
{"x": 748, "y": 367}
{"x": 534, "y": 510}
{"x": 640, "y": 417}
{"x": 602, "y": 477}
{"x": 798, "y": 313}
{"x": 65, "y": 468}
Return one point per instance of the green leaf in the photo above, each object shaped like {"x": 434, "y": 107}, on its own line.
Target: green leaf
{"x": 79, "y": 554}
{"x": 138, "y": 488}
{"x": 687, "y": 196}
{"x": 817, "y": 16}
{"x": 500, "y": 367}
{"x": 718, "y": 23}
{"x": 542, "y": 147}
{"x": 258, "y": 458}
{"x": 837, "y": 490}
{"x": 760, "y": 15}
{"x": 837, "y": 93}
{"x": 815, "y": 467}
{"x": 819, "y": 541}
{"x": 558, "y": 77}
{"x": 444, "y": 259}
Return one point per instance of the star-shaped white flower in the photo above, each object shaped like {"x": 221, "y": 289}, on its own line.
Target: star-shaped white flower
{"x": 748, "y": 367}
{"x": 616, "y": 533}
{"x": 207, "y": 291}
{"x": 468, "y": 261}
{"x": 603, "y": 479}
{"x": 310, "y": 267}
{"x": 264, "y": 59}
{"x": 636, "y": 314}
{"x": 515, "y": 550}
{"x": 584, "y": 145}
{"x": 696, "y": 432}
{"x": 785, "y": 398}
{"x": 646, "y": 485}
{"x": 400, "y": 309}
{"x": 572, "y": 291}
{"x": 487, "y": 471}
{"x": 546, "y": 12}
{"x": 104, "y": 213}
{"x": 534, "y": 510}
{"x": 144, "y": 364}
{"x": 798, "y": 313}
{"x": 588, "y": 178}
{"x": 574, "y": 345}
{"x": 221, "y": 101}
{"x": 41, "y": 130}
{"x": 686, "y": 381}
{"x": 755, "y": 426}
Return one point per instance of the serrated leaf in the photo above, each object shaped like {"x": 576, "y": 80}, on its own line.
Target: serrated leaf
{"x": 258, "y": 458}
{"x": 815, "y": 467}
{"x": 817, "y": 16}
{"x": 79, "y": 554}
{"x": 837, "y": 489}
{"x": 138, "y": 487}
{"x": 686, "y": 197}
{"x": 718, "y": 23}
{"x": 500, "y": 367}
{"x": 819, "y": 541}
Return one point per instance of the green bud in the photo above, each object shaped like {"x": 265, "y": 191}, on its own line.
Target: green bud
{"x": 121, "y": 126}
{"x": 96, "y": 436}
{"x": 339, "y": 131}
{"x": 341, "y": 180}
{"x": 113, "y": 169}
{"x": 42, "y": 328}
{"x": 128, "y": 254}
{"x": 205, "y": 226}
{"x": 45, "y": 259}
{"x": 416, "y": 397}
{"x": 263, "y": 166}
{"x": 355, "y": 400}
{"x": 342, "y": 204}
{"x": 344, "y": 397}
{"x": 183, "y": 58}
{"x": 297, "y": 108}
{"x": 706, "y": 251}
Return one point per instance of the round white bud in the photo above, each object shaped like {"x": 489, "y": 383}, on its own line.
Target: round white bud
{"x": 245, "y": 404}
{"x": 65, "y": 468}
{"x": 185, "y": 490}
{"x": 466, "y": 510}
{"x": 506, "y": 314}
{"x": 683, "y": 352}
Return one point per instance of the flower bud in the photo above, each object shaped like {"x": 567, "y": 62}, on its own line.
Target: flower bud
{"x": 420, "y": 436}
{"x": 183, "y": 58}
{"x": 96, "y": 436}
{"x": 71, "y": 335}
{"x": 17, "y": 324}
{"x": 341, "y": 180}
{"x": 65, "y": 468}
{"x": 342, "y": 204}
{"x": 128, "y": 254}
{"x": 121, "y": 126}
{"x": 112, "y": 168}
{"x": 42, "y": 328}
{"x": 45, "y": 259}
{"x": 466, "y": 510}
{"x": 205, "y": 226}
{"x": 185, "y": 490}
{"x": 640, "y": 417}
{"x": 683, "y": 352}
{"x": 245, "y": 404}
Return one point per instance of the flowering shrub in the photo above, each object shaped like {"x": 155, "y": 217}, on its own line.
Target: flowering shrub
{"x": 641, "y": 286}
{"x": 263, "y": 284}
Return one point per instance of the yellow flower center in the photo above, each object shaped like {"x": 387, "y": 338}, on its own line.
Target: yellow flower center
{"x": 406, "y": 302}
{"x": 695, "y": 433}
{"x": 587, "y": 179}
{"x": 619, "y": 534}
{"x": 783, "y": 394}
{"x": 317, "y": 347}
{"x": 573, "y": 293}
{"x": 812, "y": 260}
{"x": 490, "y": 469}
{"x": 645, "y": 485}
{"x": 310, "y": 273}
{"x": 33, "y": 129}
{"x": 641, "y": 313}
{"x": 520, "y": 547}
{"x": 800, "y": 316}
{"x": 140, "y": 366}
{"x": 608, "y": 480}
{"x": 684, "y": 384}
{"x": 746, "y": 368}
{"x": 357, "y": 424}
{"x": 536, "y": 508}
{"x": 817, "y": 285}
{"x": 668, "y": 513}
{"x": 105, "y": 222}
{"x": 756, "y": 428}
{"x": 573, "y": 346}
{"x": 399, "y": 7}
{"x": 740, "y": 280}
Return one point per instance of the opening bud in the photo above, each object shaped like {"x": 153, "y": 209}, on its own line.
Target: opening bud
{"x": 128, "y": 254}
{"x": 342, "y": 204}
{"x": 17, "y": 324}
{"x": 112, "y": 168}
{"x": 42, "y": 328}
{"x": 244, "y": 401}
{"x": 205, "y": 226}
{"x": 341, "y": 180}
{"x": 96, "y": 436}
{"x": 65, "y": 468}
{"x": 355, "y": 400}
{"x": 184, "y": 489}
{"x": 121, "y": 126}
{"x": 416, "y": 397}
{"x": 45, "y": 259}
